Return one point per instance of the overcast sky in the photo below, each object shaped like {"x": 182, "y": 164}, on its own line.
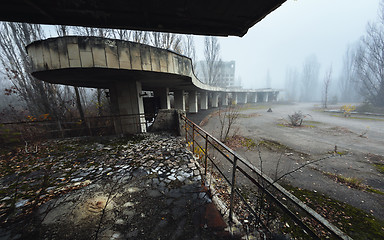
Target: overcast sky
{"x": 294, "y": 31}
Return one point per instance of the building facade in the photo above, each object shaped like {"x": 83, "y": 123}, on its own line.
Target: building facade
{"x": 225, "y": 74}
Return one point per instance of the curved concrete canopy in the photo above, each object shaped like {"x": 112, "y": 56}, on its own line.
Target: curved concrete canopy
{"x": 100, "y": 62}
{"x": 214, "y": 17}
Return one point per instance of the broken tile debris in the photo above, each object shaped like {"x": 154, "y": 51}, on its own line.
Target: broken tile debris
{"x": 147, "y": 187}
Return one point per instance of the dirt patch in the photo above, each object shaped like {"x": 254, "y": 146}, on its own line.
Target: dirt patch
{"x": 251, "y": 115}
{"x": 337, "y": 131}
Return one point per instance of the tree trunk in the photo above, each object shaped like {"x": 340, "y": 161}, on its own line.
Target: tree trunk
{"x": 79, "y": 106}
{"x": 99, "y": 107}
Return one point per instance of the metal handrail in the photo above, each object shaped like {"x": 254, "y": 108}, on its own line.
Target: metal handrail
{"x": 271, "y": 185}
{"x": 72, "y": 119}
{"x": 64, "y": 126}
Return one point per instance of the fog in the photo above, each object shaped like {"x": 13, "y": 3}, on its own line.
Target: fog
{"x": 293, "y": 32}
{"x": 284, "y": 39}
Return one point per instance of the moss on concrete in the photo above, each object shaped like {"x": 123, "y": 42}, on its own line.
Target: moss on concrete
{"x": 355, "y": 222}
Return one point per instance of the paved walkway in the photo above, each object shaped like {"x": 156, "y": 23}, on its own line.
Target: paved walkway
{"x": 148, "y": 188}
{"x": 198, "y": 117}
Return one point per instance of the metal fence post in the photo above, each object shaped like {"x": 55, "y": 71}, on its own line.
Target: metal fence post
{"x": 193, "y": 139}
{"x": 186, "y": 130}
{"x": 89, "y": 126}
{"x": 60, "y": 128}
{"x": 206, "y": 153}
{"x": 232, "y": 188}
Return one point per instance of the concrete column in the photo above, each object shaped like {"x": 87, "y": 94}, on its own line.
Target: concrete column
{"x": 234, "y": 99}
{"x": 274, "y": 96}
{"x": 262, "y": 97}
{"x": 266, "y": 95}
{"x": 252, "y": 98}
{"x": 192, "y": 101}
{"x": 215, "y": 99}
{"x": 163, "y": 94}
{"x": 242, "y": 98}
{"x": 224, "y": 99}
{"x": 128, "y": 104}
{"x": 179, "y": 99}
{"x": 203, "y": 100}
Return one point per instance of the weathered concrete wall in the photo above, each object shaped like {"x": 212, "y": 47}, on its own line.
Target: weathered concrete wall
{"x": 95, "y": 52}
{"x": 85, "y": 52}
{"x": 167, "y": 120}
{"x": 73, "y": 55}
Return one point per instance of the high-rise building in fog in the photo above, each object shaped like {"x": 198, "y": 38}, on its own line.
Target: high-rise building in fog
{"x": 226, "y": 74}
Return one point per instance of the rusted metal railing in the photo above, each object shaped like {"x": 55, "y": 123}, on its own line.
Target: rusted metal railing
{"x": 100, "y": 125}
{"x": 308, "y": 220}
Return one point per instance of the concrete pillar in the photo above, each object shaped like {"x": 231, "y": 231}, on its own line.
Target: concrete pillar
{"x": 163, "y": 94}
{"x": 252, "y": 98}
{"x": 242, "y": 98}
{"x": 262, "y": 97}
{"x": 127, "y": 104}
{"x": 234, "y": 99}
{"x": 259, "y": 97}
{"x": 215, "y": 99}
{"x": 266, "y": 95}
{"x": 179, "y": 99}
{"x": 224, "y": 99}
{"x": 203, "y": 100}
{"x": 274, "y": 96}
{"x": 192, "y": 101}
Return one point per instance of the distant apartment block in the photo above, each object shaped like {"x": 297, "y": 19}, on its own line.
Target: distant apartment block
{"x": 226, "y": 74}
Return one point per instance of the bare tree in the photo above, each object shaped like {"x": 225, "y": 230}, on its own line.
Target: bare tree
{"x": 189, "y": 49}
{"x": 292, "y": 84}
{"x": 169, "y": 41}
{"x": 122, "y": 34}
{"x": 310, "y": 78}
{"x": 211, "y": 68}
{"x": 370, "y": 61}
{"x": 348, "y": 78}
{"x": 227, "y": 118}
{"x": 40, "y": 97}
{"x": 326, "y": 85}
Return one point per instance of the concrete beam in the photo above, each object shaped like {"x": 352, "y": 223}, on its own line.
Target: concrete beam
{"x": 204, "y": 100}
{"x": 163, "y": 94}
{"x": 179, "y": 99}
{"x": 128, "y": 104}
{"x": 192, "y": 102}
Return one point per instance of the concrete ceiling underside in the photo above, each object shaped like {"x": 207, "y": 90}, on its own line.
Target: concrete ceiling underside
{"x": 105, "y": 78}
{"x": 214, "y": 17}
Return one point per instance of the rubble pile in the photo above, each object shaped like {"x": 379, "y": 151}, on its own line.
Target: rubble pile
{"x": 145, "y": 187}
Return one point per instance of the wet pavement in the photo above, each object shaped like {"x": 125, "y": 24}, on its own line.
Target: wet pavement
{"x": 146, "y": 188}
{"x": 201, "y": 115}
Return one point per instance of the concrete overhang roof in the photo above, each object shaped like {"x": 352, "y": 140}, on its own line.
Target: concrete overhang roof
{"x": 101, "y": 62}
{"x": 212, "y": 17}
